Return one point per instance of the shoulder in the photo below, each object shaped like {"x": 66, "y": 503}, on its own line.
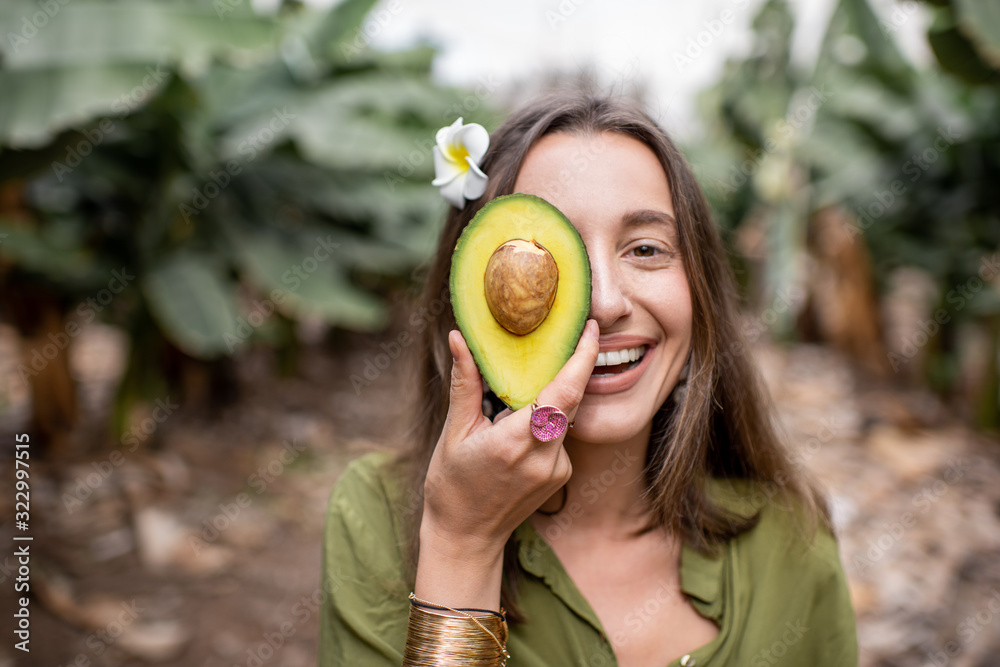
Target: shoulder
{"x": 367, "y": 474}
{"x": 365, "y": 540}
{"x": 365, "y": 582}
{"x": 787, "y": 583}
{"x": 368, "y": 509}
{"x": 784, "y": 536}
{"x": 371, "y": 488}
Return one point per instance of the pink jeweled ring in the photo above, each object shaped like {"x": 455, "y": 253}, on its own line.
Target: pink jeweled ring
{"x": 548, "y": 422}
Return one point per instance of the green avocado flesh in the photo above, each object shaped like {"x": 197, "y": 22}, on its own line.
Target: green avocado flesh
{"x": 518, "y": 366}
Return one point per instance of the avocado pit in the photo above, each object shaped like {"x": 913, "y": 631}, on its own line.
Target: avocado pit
{"x": 521, "y": 280}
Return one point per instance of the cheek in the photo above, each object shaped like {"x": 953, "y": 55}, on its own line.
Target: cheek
{"x": 682, "y": 312}
{"x": 672, "y": 305}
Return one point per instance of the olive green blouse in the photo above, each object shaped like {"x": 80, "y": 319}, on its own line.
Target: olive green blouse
{"x": 777, "y": 598}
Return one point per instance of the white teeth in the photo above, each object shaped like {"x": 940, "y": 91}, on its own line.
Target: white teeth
{"x": 615, "y": 357}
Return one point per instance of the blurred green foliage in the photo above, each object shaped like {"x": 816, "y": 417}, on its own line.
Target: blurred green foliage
{"x": 250, "y": 170}
{"x": 254, "y": 170}
{"x": 911, "y": 155}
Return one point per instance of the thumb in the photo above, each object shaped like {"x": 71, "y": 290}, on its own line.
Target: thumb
{"x": 465, "y": 404}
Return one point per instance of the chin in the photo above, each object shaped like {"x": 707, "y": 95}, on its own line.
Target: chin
{"x": 607, "y": 427}
{"x": 616, "y": 418}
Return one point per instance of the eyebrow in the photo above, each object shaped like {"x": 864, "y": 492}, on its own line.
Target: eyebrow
{"x": 647, "y": 216}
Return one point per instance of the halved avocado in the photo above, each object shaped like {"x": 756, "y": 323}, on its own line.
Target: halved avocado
{"x": 520, "y": 291}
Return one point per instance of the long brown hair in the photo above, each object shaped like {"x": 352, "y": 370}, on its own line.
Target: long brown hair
{"x": 721, "y": 428}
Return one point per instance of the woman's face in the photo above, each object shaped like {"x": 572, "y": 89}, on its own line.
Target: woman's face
{"x": 614, "y": 191}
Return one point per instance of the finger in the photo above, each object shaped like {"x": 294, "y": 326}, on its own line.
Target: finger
{"x": 465, "y": 406}
{"x": 566, "y": 389}
{"x": 503, "y": 414}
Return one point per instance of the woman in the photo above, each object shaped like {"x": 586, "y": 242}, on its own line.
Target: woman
{"x": 668, "y": 525}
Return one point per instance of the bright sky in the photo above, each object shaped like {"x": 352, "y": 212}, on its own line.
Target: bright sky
{"x": 511, "y": 42}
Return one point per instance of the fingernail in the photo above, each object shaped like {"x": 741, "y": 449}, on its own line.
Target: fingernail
{"x": 595, "y": 331}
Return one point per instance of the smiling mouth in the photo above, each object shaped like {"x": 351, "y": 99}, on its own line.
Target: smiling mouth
{"x": 614, "y": 362}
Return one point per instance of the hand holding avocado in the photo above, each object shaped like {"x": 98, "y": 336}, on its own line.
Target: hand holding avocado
{"x": 520, "y": 290}
{"x": 486, "y": 478}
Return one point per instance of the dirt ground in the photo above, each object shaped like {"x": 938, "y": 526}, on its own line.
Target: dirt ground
{"x": 202, "y": 546}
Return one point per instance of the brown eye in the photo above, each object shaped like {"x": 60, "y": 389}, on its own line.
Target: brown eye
{"x": 644, "y": 251}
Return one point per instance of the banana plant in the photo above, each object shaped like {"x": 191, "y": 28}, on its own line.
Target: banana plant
{"x": 248, "y": 170}
{"x": 902, "y": 158}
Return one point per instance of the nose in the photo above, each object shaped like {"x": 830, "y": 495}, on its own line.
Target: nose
{"x": 609, "y": 300}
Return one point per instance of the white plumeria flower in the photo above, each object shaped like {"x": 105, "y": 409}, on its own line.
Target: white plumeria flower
{"x": 460, "y": 149}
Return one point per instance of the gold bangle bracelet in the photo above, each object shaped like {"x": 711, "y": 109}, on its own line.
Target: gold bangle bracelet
{"x": 438, "y": 640}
